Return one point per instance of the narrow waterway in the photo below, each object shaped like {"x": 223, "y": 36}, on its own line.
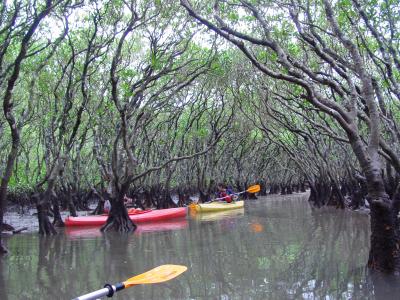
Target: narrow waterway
{"x": 275, "y": 248}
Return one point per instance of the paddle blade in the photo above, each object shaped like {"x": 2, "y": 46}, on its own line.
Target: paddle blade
{"x": 253, "y": 189}
{"x": 156, "y": 275}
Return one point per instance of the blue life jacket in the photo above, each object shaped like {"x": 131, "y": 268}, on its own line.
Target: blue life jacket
{"x": 229, "y": 190}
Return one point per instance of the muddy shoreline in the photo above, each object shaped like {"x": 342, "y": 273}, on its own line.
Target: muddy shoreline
{"x": 27, "y": 217}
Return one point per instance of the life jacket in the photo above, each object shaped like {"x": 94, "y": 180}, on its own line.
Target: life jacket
{"x": 226, "y": 197}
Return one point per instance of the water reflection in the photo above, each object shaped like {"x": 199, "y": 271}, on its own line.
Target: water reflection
{"x": 219, "y": 215}
{"x": 277, "y": 248}
{"x": 2, "y": 283}
{"x": 93, "y": 232}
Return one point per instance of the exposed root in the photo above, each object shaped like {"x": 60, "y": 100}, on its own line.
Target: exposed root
{"x": 3, "y": 249}
{"x": 19, "y": 230}
{"x": 119, "y": 224}
{"x": 6, "y": 227}
{"x": 58, "y": 223}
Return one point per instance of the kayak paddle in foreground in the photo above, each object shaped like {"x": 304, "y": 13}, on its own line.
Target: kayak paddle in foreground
{"x": 156, "y": 275}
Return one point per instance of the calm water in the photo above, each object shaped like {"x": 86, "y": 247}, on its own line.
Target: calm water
{"x": 276, "y": 248}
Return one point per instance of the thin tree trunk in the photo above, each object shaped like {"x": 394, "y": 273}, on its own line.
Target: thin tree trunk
{"x": 4, "y": 184}
{"x": 71, "y": 206}
{"x": 45, "y": 226}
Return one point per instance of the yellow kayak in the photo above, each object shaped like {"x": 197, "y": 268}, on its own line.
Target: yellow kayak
{"x": 217, "y": 206}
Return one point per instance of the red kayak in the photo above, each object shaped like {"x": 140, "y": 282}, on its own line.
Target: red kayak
{"x": 143, "y": 216}
{"x": 133, "y": 211}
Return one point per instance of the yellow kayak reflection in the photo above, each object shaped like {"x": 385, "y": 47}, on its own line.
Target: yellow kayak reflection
{"x": 220, "y": 215}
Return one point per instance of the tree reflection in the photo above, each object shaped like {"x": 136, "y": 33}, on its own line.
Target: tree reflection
{"x": 2, "y": 284}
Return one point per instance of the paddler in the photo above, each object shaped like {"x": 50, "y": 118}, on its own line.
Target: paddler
{"x": 222, "y": 193}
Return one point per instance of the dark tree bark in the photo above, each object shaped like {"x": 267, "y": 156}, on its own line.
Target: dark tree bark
{"x": 302, "y": 187}
{"x": 263, "y": 186}
{"x": 289, "y": 189}
{"x": 71, "y": 205}
{"x": 118, "y": 219}
{"x": 43, "y": 209}
{"x": 100, "y": 204}
{"x": 251, "y": 196}
{"x": 204, "y": 197}
{"x": 57, "y": 220}
{"x": 45, "y": 225}
{"x": 8, "y": 109}
{"x": 167, "y": 201}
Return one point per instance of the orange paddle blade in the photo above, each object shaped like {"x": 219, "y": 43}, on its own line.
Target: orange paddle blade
{"x": 253, "y": 189}
{"x": 156, "y": 275}
{"x": 192, "y": 205}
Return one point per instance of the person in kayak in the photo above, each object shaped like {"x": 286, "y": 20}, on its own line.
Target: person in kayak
{"x": 222, "y": 193}
{"x": 107, "y": 206}
{"x": 128, "y": 201}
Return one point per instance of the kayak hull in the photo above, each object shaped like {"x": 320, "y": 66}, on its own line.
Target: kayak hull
{"x": 218, "y": 206}
{"x": 219, "y": 215}
{"x": 147, "y": 216}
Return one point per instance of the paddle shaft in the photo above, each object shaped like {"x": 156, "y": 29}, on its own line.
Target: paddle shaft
{"x": 252, "y": 189}
{"x": 108, "y": 290}
{"x": 222, "y": 198}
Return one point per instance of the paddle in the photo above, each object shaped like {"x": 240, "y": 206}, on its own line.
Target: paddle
{"x": 156, "y": 275}
{"x": 252, "y": 189}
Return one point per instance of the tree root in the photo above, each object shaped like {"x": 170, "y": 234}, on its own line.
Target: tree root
{"x": 19, "y": 230}
{"x": 119, "y": 225}
{"x": 3, "y": 249}
{"x": 6, "y": 227}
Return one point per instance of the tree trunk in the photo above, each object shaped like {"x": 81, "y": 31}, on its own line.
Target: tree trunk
{"x": 118, "y": 219}
{"x": 204, "y": 197}
{"x": 3, "y": 249}
{"x": 302, "y": 187}
{"x": 289, "y": 189}
{"x": 57, "y": 221}
{"x": 45, "y": 226}
{"x": 167, "y": 201}
{"x": 71, "y": 206}
{"x": 251, "y": 196}
{"x": 4, "y": 182}
{"x": 384, "y": 254}
{"x": 263, "y": 188}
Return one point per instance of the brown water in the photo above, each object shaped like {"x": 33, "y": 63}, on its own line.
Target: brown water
{"x": 276, "y": 248}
